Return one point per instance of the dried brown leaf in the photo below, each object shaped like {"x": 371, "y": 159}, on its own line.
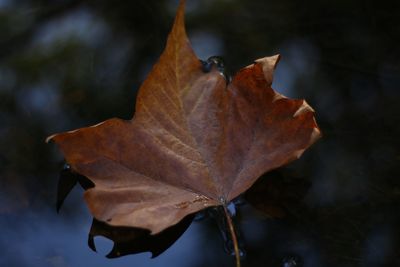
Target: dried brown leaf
{"x": 194, "y": 141}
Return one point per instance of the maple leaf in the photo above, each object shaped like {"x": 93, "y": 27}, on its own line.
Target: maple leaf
{"x": 194, "y": 141}
{"x": 128, "y": 240}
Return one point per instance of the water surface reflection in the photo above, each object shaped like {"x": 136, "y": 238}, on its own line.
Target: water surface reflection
{"x": 68, "y": 64}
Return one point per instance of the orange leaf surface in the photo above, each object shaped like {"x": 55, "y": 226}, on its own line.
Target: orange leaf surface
{"x": 194, "y": 141}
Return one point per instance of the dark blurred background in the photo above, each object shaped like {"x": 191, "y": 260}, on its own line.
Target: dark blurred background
{"x": 67, "y": 64}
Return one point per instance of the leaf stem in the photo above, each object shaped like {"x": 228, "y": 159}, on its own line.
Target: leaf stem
{"x": 233, "y": 235}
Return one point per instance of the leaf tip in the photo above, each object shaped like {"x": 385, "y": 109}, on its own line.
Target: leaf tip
{"x": 114, "y": 253}
{"x": 304, "y": 108}
{"x": 179, "y": 22}
{"x": 58, "y": 206}
{"x": 268, "y": 66}
{"x": 91, "y": 243}
{"x": 155, "y": 254}
{"x": 316, "y": 133}
{"x": 50, "y": 138}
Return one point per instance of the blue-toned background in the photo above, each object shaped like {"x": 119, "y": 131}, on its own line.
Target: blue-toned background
{"x": 65, "y": 64}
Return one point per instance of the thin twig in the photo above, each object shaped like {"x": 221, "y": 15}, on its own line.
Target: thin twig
{"x": 233, "y": 235}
